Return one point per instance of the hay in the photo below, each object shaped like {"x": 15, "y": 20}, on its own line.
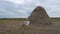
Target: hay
{"x": 39, "y": 17}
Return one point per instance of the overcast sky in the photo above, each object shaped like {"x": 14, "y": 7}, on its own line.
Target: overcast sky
{"x": 23, "y": 8}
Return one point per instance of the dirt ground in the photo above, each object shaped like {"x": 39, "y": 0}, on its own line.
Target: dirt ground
{"x": 14, "y": 27}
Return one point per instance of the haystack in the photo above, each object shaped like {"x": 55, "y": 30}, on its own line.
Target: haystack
{"x": 39, "y": 17}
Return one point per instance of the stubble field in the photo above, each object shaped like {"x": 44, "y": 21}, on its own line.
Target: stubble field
{"x": 15, "y": 27}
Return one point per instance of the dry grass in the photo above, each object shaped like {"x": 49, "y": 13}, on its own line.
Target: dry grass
{"x": 32, "y": 29}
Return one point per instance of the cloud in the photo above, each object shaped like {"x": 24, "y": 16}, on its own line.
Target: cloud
{"x": 53, "y": 6}
{"x": 23, "y": 8}
{"x": 17, "y": 1}
{"x": 8, "y": 9}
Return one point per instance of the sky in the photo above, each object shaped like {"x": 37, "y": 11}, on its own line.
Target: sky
{"x": 23, "y": 8}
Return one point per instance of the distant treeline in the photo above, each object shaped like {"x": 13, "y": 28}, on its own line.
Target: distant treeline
{"x": 13, "y": 18}
{"x": 19, "y": 18}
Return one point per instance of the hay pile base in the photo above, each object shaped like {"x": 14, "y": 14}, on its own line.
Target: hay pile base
{"x": 39, "y": 17}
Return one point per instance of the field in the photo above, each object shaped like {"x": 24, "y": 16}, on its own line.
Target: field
{"x": 31, "y": 29}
